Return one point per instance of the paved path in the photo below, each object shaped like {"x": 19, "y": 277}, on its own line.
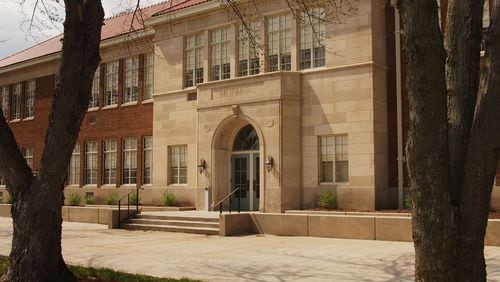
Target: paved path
{"x": 248, "y": 258}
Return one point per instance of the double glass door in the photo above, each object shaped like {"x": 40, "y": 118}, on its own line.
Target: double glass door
{"x": 245, "y": 174}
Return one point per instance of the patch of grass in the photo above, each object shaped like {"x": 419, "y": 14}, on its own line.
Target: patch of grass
{"x": 103, "y": 274}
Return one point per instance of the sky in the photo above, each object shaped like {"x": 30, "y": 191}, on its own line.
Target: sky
{"x": 14, "y": 35}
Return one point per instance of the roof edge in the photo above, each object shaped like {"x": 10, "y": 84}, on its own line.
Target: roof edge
{"x": 194, "y": 10}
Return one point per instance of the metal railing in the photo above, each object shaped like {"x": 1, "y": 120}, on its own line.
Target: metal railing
{"x": 120, "y": 220}
{"x": 238, "y": 189}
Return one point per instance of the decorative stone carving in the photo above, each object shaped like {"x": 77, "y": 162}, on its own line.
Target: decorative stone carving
{"x": 269, "y": 122}
{"x": 236, "y": 109}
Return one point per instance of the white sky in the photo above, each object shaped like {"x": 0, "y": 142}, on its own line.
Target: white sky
{"x": 14, "y": 35}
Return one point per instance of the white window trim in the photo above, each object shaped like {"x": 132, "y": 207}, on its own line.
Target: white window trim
{"x": 334, "y": 182}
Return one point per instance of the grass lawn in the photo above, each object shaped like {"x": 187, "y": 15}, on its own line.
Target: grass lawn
{"x": 102, "y": 274}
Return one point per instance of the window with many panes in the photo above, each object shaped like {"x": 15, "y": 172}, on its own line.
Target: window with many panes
{"x": 220, "y": 68}
{"x": 178, "y": 164}
{"x": 486, "y": 23}
{"x": 193, "y": 61}
{"x": 28, "y": 156}
{"x": 278, "y": 31}
{"x": 248, "y": 55}
{"x": 91, "y": 151}
{"x": 131, "y": 76}
{"x": 311, "y": 39}
{"x": 111, "y": 86}
{"x": 147, "y": 147}
{"x": 5, "y": 101}
{"x": 29, "y": 99}
{"x": 74, "y": 166}
{"x": 96, "y": 89}
{"x": 129, "y": 168}
{"x": 16, "y": 101}
{"x": 334, "y": 159}
{"x": 148, "y": 76}
{"x": 109, "y": 162}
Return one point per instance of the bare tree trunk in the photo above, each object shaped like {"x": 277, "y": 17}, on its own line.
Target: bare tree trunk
{"x": 36, "y": 211}
{"x": 428, "y": 143}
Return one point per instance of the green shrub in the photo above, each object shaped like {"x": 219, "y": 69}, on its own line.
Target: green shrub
{"x": 74, "y": 199}
{"x": 407, "y": 202}
{"x": 133, "y": 198}
{"x": 168, "y": 199}
{"x": 112, "y": 199}
{"x": 89, "y": 200}
{"x": 327, "y": 200}
{"x": 10, "y": 199}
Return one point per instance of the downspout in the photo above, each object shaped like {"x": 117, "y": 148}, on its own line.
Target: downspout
{"x": 399, "y": 102}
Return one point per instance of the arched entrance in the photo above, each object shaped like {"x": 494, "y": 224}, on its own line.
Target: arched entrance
{"x": 245, "y": 168}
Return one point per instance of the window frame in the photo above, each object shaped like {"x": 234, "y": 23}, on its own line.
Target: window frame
{"x": 183, "y": 149}
{"x": 96, "y": 89}
{"x": 91, "y": 157}
{"x": 129, "y": 158}
{"x": 193, "y": 61}
{"x": 109, "y": 169}
{"x": 334, "y": 161}
{"x": 147, "y": 154}
{"x": 28, "y": 156}
{"x": 148, "y": 76}
{"x": 312, "y": 32}
{"x": 248, "y": 56}
{"x": 16, "y": 101}
{"x": 283, "y": 35}
{"x": 131, "y": 80}
{"x": 74, "y": 167}
{"x": 29, "y": 99}
{"x": 220, "y": 59}
{"x": 111, "y": 83}
{"x": 5, "y": 101}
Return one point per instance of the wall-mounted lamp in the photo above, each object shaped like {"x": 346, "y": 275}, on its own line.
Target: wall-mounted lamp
{"x": 201, "y": 166}
{"x": 269, "y": 163}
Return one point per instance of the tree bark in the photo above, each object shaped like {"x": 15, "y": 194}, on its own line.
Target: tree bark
{"x": 428, "y": 142}
{"x": 36, "y": 211}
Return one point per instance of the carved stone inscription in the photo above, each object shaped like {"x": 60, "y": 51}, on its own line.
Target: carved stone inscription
{"x": 235, "y": 92}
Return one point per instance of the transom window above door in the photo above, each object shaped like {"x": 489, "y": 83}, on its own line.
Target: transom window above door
{"x": 246, "y": 140}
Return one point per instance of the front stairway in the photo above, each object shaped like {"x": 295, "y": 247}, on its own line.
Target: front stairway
{"x": 186, "y": 222}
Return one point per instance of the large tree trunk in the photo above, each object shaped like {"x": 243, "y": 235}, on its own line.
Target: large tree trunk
{"x": 454, "y": 137}
{"x": 428, "y": 142}
{"x": 36, "y": 211}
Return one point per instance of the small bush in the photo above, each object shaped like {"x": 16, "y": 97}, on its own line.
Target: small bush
{"x": 74, "y": 199}
{"x": 10, "y": 199}
{"x": 89, "y": 200}
{"x": 407, "y": 202}
{"x": 112, "y": 199}
{"x": 133, "y": 198}
{"x": 168, "y": 199}
{"x": 327, "y": 200}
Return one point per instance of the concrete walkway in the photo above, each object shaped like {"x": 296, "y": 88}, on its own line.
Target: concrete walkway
{"x": 248, "y": 258}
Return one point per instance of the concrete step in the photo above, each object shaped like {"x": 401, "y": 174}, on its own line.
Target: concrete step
{"x": 167, "y": 228}
{"x": 182, "y": 218}
{"x": 169, "y": 222}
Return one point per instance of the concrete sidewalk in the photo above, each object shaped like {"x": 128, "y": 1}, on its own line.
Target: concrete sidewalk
{"x": 248, "y": 258}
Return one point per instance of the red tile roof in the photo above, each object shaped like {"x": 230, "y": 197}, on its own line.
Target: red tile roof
{"x": 113, "y": 27}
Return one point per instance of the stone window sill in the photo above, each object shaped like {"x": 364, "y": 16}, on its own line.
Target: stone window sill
{"x": 110, "y": 107}
{"x": 128, "y": 104}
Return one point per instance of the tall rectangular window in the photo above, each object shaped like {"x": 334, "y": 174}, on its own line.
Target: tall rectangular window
{"x": 131, "y": 79}
{"x": 5, "y": 101}
{"x": 279, "y": 43}
{"x": 74, "y": 166}
{"x": 29, "y": 99}
{"x": 148, "y": 76}
{"x": 334, "y": 159}
{"x": 147, "y": 160}
{"x": 311, "y": 38}
{"x": 28, "y": 156}
{"x": 486, "y": 23}
{"x": 178, "y": 164}
{"x": 96, "y": 89}
{"x": 109, "y": 166}
{"x": 91, "y": 151}
{"x": 129, "y": 170}
{"x": 16, "y": 101}
{"x": 193, "y": 64}
{"x": 111, "y": 97}
{"x": 220, "y": 68}
{"x": 248, "y": 56}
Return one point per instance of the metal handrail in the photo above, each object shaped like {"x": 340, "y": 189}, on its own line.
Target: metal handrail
{"x": 128, "y": 207}
{"x": 219, "y": 203}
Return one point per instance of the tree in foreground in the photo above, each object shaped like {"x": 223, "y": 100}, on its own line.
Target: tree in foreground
{"x": 454, "y": 139}
{"x": 36, "y": 210}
